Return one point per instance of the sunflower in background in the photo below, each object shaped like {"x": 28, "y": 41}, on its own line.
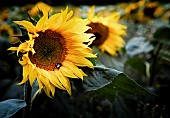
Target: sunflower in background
{"x": 4, "y": 15}
{"x": 107, "y": 31}
{"x": 128, "y": 10}
{"x": 166, "y": 15}
{"x": 8, "y": 32}
{"x": 55, "y": 49}
{"x": 5, "y": 30}
{"x": 149, "y": 11}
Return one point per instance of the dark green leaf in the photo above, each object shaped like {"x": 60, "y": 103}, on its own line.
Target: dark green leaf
{"x": 162, "y": 34}
{"x": 10, "y": 107}
{"x": 107, "y": 82}
{"x": 115, "y": 62}
{"x": 128, "y": 86}
{"x": 92, "y": 60}
{"x": 99, "y": 77}
{"x": 138, "y": 45}
{"x": 137, "y": 64}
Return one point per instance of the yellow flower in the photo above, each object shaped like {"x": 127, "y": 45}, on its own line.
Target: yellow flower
{"x": 38, "y": 6}
{"x": 131, "y": 8}
{"x": 166, "y": 15}
{"x": 149, "y": 11}
{"x": 7, "y": 31}
{"x": 107, "y": 31}
{"x": 4, "y": 15}
{"x": 57, "y": 46}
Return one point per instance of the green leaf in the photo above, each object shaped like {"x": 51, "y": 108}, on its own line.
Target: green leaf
{"x": 138, "y": 45}
{"x": 162, "y": 34}
{"x": 107, "y": 82}
{"x": 92, "y": 60}
{"x": 99, "y": 77}
{"x": 137, "y": 64}
{"x": 108, "y": 60}
{"x": 128, "y": 86}
{"x": 10, "y": 107}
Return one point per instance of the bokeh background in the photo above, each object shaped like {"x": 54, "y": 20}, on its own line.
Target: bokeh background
{"x": 73, "y": 2}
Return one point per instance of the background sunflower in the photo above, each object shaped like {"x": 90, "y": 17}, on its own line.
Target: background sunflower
{"x": 107, "y": 31}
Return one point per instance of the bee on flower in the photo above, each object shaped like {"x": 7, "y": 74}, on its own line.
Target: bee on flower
{"x": 56, "y": 47}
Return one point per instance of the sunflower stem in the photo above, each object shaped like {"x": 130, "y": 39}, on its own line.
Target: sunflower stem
{"x": 154, "y": 62}
{"x": 27, "y": 98}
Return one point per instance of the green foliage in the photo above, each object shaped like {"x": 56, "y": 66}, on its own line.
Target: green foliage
{"x": 138, "y": 45}
{"x": 106, "y": 82}
{"x": 10, "y": 107}
{"x": 162, "y": 35}
{"x": 137, "y": 64}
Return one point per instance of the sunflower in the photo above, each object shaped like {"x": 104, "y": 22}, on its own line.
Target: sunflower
{"x": 107, "y": 31}
{"x": 149, "y": 11}
{"x": 4, "y": 15}
{"x": 56, "y": 48}
{"x": 7, "y": 31}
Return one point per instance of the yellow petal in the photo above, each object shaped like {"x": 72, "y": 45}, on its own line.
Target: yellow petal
{"x": 25, "y": 74}
{"x": 81, "y": 53}
{"x": 70, "y": 66}
{"x": 32, "y": 74}
{"x": 91, "y": 12}
{"x": 28, "y": 25}
{"x": 54, "y": 80}
{"x": 69, "y": 15}
{"x": 55, "y": 21}
{"x": 52, "y": 89}
{"x": 79, "y": 61}
{"x": 42, "y": 24}
{"x": 47, "y": 91}
{"x": 39, "y": 84}
{"x": 67, "y": 72}
{"x": 13, "y": 48}
{"x": 65, "y": 82}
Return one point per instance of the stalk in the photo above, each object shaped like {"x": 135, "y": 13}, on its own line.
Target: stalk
{"x": 27, "y": 98}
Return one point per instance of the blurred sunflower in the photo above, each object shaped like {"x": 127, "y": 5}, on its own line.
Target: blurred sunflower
{"x": 54, "y": 51}
{"x": 166, "y": 15}
{"x": 7, "y": 31}
{"x": 149, "y": 11}
{"x": 107, "y": 31}
{"x": 130, "y": 10}
{"x": 4, "y": 15}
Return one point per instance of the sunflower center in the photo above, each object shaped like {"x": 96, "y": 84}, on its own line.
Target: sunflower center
{"x": 4, "y": 32}
{"x": 100, "y": 31}
{"x": 50, "y": 50}
{"x": 150, "y": 11}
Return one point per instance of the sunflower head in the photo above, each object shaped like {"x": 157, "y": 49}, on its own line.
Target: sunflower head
{"x": 149, "y": 11}
{"x": 55, "y": 49}
{"x": 6, "y": 30}
{"x": 107, "y": 31}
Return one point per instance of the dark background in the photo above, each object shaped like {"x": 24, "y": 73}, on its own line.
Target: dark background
{"x": 5, "y": 3}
